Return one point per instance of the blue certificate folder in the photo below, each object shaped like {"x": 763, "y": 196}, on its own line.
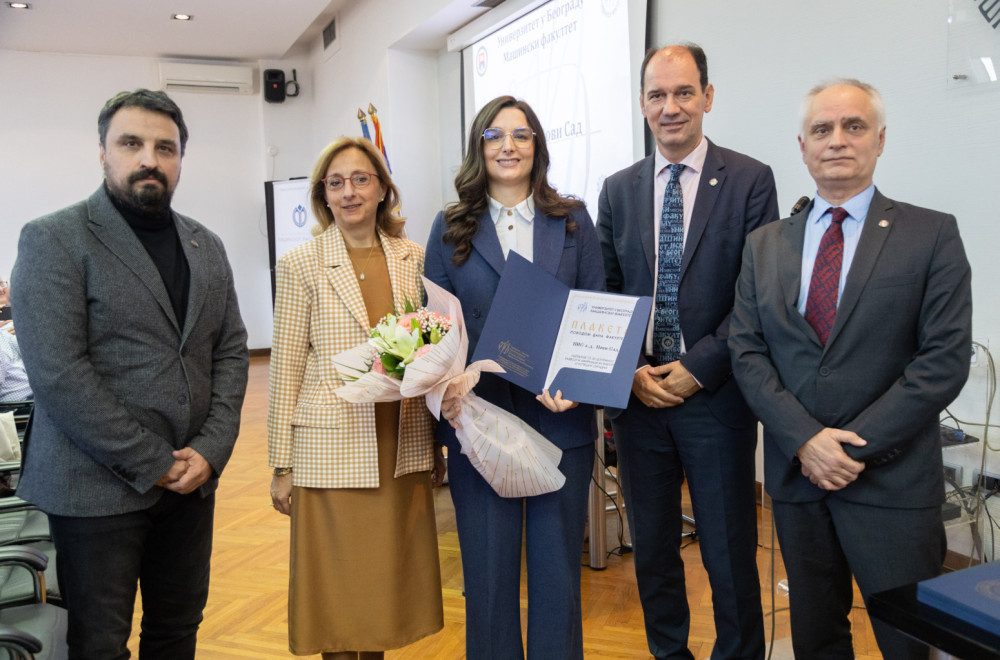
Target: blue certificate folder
{"x": 972, "y": 595}
{"x": 523, "y": 327}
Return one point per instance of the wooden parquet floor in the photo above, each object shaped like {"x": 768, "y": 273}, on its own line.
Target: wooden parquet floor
{"x": 246, "y": 615}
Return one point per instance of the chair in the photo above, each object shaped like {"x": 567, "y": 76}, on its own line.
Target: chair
{"x": 18, "y": 645}
{"x": 30, "y": 625}
{"x": 21, "y": 523}
{"x": 31, "y": 629}
{"x": 22, "y": 411}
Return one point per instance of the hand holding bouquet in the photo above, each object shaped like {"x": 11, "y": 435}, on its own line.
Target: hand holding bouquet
{"x": 422, "y": 353}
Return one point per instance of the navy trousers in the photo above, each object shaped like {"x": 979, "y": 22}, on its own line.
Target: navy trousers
{"x": 166, "y": 548}
{"x": 658, "y": 448}
{"x": 490, "y": 536}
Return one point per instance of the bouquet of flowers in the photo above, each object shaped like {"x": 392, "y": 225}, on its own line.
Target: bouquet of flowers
{"x": 373, "y": 371}
{"x": 422, "y": 353}
{"x": 398, "y": 341}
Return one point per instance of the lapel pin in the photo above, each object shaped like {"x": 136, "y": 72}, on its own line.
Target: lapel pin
{"x": 713, "y": 181}
{"x": 883, "y": 223}
{"x": 194, "y": 242}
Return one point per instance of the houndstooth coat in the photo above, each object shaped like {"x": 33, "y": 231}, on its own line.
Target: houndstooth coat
{"x": 319, "y": 312}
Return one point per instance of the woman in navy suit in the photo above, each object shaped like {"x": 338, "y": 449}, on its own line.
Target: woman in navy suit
{"x": 506, "y": 203}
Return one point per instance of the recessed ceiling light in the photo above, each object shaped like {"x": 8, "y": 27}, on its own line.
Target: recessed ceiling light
{"x": 19, "y": 5}
{"x": 182, "y": 17}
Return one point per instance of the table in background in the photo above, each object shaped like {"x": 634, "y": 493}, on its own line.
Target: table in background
{"x": 900, "y": 608}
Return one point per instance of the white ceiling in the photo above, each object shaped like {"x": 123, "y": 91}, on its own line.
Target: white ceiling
{"x": 224, "y": 29}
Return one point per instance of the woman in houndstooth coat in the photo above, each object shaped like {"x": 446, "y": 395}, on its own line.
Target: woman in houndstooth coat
{"x": 356, "y": 479}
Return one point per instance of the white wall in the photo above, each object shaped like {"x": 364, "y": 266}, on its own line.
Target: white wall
{"x": 403, "y": 85}
{"x": 942, "y": 147}
{"x": 48, "y": 129}
{"x": 452, "y": 132}
{"x": 288, "y": 126}
{"x": 49, "y": 105}
{"x": 416, "y": 152}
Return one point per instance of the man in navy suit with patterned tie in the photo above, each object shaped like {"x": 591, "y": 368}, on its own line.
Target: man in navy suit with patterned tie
{"x": 850, "y": 334}
{"x": 673, "y": 225}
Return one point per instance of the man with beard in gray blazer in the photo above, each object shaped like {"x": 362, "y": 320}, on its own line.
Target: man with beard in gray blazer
{"x": 850, "y": 333}
{"x": 132, "y": 338}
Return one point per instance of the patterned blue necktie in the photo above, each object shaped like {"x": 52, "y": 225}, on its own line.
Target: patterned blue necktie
{"x": 666, "y": 318}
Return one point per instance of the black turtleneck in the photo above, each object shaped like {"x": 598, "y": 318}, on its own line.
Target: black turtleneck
{"x": 158, "y": 235}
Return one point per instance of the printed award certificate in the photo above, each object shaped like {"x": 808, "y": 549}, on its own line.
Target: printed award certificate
{"x": 548, "y": 336}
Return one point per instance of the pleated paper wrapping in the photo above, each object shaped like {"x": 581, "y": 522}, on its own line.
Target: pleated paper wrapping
{"x": 515, "y": 459}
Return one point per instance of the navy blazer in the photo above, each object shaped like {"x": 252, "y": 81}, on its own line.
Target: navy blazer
{"x": 897, "y": 354}
{"x": 574, "y": 259}
{"x": 736, "y": 194}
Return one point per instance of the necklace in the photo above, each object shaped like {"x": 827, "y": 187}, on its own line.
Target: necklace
{"x": 361, "y": 275}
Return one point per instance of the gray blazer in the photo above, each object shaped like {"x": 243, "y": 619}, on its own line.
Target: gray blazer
{"x": 898, "y": 352}
{"x": 118, "y": 384}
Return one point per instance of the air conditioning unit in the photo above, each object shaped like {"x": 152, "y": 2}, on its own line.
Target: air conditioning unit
{"x": 217, "y": 78}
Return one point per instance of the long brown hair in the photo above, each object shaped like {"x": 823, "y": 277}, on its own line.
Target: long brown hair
{"x": 386, "y": 218}
{"x": 462, "y": 217}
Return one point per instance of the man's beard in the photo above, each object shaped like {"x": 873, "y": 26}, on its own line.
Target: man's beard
{"x": 147, "y": 199}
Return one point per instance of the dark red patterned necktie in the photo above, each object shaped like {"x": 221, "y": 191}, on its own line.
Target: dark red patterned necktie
{"x": 821, "y": 307}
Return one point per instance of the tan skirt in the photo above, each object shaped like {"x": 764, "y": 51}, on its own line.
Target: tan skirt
{"x": 365, "y": 574}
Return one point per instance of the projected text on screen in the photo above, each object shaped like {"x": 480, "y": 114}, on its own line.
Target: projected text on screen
{"x": 569, "y": 60}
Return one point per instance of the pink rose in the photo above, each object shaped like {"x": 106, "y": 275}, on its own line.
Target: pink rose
{"x": 406, "y": 320}
{"x": 422, "y": 351}
{"x": 378, "y": 367}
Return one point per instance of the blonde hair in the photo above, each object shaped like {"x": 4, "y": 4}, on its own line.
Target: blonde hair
{"x": 386, "y": 218}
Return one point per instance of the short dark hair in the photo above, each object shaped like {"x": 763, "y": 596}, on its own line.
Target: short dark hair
{"x": 700, "y": 60}
{"x": 147, "y": 100}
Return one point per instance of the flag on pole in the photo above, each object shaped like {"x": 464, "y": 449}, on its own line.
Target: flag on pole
{"x": 364, "y": 125}
{"x": 379, "y": 142}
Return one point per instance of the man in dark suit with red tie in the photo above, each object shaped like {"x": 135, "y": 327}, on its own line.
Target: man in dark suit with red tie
{"x": 850, "y": 333}
{"x": 673, "y": 225}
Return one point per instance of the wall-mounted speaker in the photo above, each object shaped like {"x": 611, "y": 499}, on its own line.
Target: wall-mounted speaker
{"x": 274, "y": 85}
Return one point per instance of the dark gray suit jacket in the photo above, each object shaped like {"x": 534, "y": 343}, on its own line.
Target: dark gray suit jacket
{"x": 898, "y": 352}
{"x": 118, "y": 384}
{"x": 736, "y": 195}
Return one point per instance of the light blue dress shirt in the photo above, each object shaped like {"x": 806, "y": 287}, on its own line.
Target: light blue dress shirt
{"x": 13, "y": 379}
{"x": 816, "y": 225}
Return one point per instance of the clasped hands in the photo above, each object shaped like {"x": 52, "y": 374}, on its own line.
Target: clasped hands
{"x": 664, "y": 386}
{"x": 189, "y": 471}
{"x": 824, "y": 461}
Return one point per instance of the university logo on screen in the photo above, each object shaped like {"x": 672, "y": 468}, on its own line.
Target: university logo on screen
{"x": 481, "y": 61}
